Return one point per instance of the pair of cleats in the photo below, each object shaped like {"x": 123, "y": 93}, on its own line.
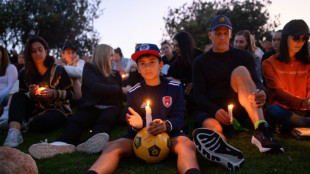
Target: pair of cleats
{"x": 211, "y": 145}
{"x": 48, "y": 150}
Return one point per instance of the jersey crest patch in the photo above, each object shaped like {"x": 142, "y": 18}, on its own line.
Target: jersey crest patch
{"x": 167, "y": 101}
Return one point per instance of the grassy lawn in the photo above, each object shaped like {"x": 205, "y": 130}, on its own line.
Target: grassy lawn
{"x": 295, "y": 159}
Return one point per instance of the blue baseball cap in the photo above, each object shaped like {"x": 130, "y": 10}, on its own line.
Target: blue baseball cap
{"x": 145, "y": 48}
{"x": 220, "y": 20}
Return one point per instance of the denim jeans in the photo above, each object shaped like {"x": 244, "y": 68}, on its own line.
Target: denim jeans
{"x": 276, "y": 114}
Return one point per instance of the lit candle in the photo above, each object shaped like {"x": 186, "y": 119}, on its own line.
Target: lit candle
{"x": 230, "y": 113}
{"x": 148, "y": 114}
{"x": 38, "y": 92}
{"x": 124, "y": 76}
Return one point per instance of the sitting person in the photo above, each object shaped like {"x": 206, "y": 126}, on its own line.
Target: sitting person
{"x": 222, "y": 76}
{"x": 181, "y": 69}
{"x": 8, "y": 76}
{"x": 245, "y": 41}
{"x": 44, "y": 93}
{"x": 120, "y": 63}
{"x": 20, "y": 62}
{"x": 99, "y": 109}
{"x": 73, "y": 66}
{"x": 165, "y": 118}
{"x": 287, "y": 78}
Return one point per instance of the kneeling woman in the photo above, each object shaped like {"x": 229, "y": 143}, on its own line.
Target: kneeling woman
{"x": 44, "y": 92}
{"x": 99, "y": 109}
{"x": 287, "y": 78}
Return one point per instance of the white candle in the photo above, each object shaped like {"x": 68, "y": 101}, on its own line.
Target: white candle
{"x": 230, "y": 113}
{"x": 148, "y": 114}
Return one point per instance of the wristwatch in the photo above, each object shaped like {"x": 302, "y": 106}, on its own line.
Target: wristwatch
{"x": 168, "y": 126}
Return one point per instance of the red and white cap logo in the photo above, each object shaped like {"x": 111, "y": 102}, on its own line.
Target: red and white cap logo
{"x": 167, "y": 101}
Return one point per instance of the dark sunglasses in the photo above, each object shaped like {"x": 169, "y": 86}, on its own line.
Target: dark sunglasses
{"x": 298, "y": 38}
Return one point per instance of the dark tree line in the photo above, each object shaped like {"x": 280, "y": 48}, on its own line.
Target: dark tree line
{"x": 195, "y": 18}
{"x": 54, "y": 20}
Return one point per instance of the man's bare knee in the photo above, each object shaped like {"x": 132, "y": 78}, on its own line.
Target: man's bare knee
{"x": 240, "y": 76}
{"x": 213, "y": 124}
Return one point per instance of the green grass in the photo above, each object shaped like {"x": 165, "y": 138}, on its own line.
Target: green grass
{"x": 294, "y": 160}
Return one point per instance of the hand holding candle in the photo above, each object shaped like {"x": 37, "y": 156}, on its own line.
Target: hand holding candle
{"x": 230, "y": 113}
{"x": 148, "y": 114}
{"x": 38, "y": 91}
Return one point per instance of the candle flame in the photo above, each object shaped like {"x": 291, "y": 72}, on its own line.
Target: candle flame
{"x": 38, "y": 92}
{"x": 148, "y": 103}
{"x": 123, "y": 75}
{"x": 230, "y": 106}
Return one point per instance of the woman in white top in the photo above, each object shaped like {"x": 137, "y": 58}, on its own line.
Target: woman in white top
{"x": 8, "y": 76}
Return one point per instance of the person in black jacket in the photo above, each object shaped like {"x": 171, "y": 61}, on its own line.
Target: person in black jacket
{"x": 181, "y": 68}
{"x": 99, "y": 108}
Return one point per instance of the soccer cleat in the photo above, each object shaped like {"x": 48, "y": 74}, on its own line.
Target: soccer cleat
{"x": 94, "y": 144}
{"x": 211, "y": 145}
{"x": 14, "y": 138}
{"x": 48, "y": 150}
{"x": 264, "y": 140}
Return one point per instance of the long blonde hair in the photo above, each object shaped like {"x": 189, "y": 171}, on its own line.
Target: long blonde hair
{"x": 101, "y": 58}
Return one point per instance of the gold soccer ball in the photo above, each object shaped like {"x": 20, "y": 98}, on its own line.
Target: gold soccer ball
{"x": 151, "y": 149}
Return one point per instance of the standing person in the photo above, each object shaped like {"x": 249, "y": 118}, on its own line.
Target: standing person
{"x": 222, "y": 76}
{"x": 287, "y": 78}
{"x": 73, "y": 66}
{"x": 8, "y": 76}
{"x": 276, "y": 38}
{"x": 245, "y": 41}
{"x": 99, "y": 109}
{"x": 181, "y": 69}
{"x": 44, "y": 91}
{"x": 166, "y": 118}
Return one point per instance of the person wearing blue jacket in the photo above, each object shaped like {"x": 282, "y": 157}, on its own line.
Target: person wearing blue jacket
{"x": 167, "y": 104}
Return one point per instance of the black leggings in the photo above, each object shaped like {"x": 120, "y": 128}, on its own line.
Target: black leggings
{"x": 99, "y": 120}
{"x": 22, "y": 108}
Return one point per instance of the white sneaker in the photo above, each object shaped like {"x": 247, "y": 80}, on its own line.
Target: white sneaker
{"x": 94, "y": 144}
{"x": 48, "y": 150}
{"x": 5, "y": 114}
{"x": 14, "y": 138}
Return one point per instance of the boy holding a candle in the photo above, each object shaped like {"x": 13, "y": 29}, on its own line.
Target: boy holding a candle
{"x": 166, "y": 107}
{"x": 222, "y": 76}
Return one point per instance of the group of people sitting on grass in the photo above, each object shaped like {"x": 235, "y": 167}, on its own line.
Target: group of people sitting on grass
{"x": 180, "y": 82}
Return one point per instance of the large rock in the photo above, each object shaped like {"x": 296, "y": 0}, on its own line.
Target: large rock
{"x": 13, "y": 161}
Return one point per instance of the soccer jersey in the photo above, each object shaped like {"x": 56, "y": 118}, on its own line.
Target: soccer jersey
{"x": 166, "y": 102}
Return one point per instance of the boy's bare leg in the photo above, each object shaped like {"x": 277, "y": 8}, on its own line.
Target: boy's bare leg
{"x": 111, "y": 154}
{"x": 185, "y": 149}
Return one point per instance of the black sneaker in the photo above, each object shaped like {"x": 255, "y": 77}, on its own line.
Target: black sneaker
{"x": 264, "y": 140}
{"x": 211, "y": 145}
